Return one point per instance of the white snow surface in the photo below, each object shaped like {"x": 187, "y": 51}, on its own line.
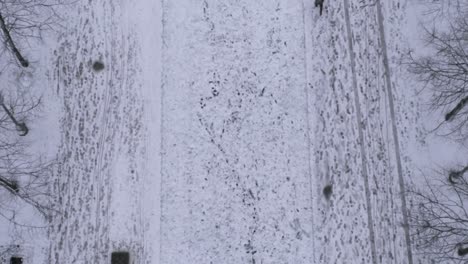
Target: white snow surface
{"x": 214, "y": 127}
{"x": 108, "y": 180}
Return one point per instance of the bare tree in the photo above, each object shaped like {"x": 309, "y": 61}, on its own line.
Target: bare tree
{"x": 445, "y": 71}
{"x": 10, "y": 43}
{"x": 20, "y": 126}
{"x": 441, "y": 9}
{"x": 23, "y": 22}
{"x": 441, "y": 219}
{"x": 23, "y": 174}
{"x": 441, "y": 222}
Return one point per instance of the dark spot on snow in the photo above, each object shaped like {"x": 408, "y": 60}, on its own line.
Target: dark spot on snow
{"x": 299, "y": 235}
{"x": 462, "y": 251}
{"x": 98, "y": 66}
{"x": 327, "y": 191}
{"x": 16, "y": 260}
{"x": 120, "y": 258}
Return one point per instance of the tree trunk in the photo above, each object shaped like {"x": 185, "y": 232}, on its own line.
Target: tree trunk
{"x": 11, "y": 43}
{"x": 457, "y": 109}
{"x": 457, "y": 174}
{"x": 19, "y": 126}
{"x": 12, "y": 186}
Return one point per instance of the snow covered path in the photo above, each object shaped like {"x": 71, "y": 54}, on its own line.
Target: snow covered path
{"x": 353, "y": 138}
{"x": 236, "y": 183}
{"x": 215, "y": 126}
{"x": 108, "y": 179}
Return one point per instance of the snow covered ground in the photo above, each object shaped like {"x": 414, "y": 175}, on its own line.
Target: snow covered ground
{"x": 107, "y": 183}
{"x": 233, "y": 132}
{"x": 235, "y": 182}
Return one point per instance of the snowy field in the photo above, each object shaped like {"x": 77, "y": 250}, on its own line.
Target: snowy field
{"x": 232, "y": 131}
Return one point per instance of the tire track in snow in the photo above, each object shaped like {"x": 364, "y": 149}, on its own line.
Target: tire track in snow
{"x": 341, "y": 221}
{"x": 101, "y": 148}
{"x": 361, "y": 134}
{"x": 164, "y": 11}
{"x": 309, "y": 142}
{"x": 149, "y": 13}
{"x": 308, "y": 116}
{"x": 394, "y": 130}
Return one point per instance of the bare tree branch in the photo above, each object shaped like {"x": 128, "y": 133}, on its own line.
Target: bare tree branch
{"x": 11, "y": 43}
{"x": 445, "y": 72}
{"x": 440, "y": 224}
{"x": 457, "y": 109}
{"x": 9, "y": 185}
{"x": 20, "y": 126}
